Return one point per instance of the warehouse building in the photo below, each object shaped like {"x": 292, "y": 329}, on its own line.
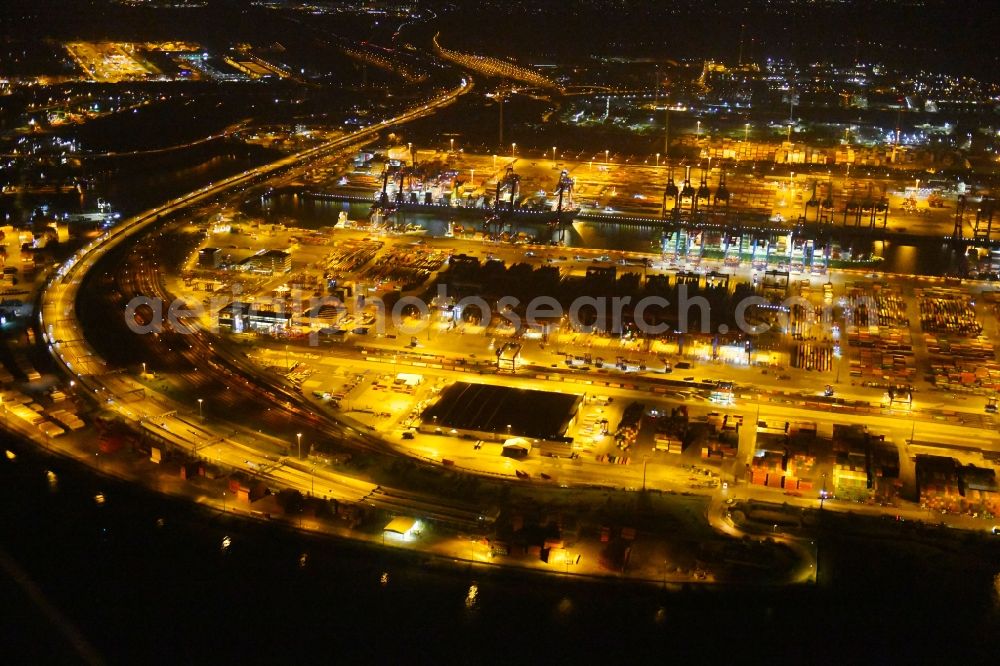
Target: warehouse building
{"x": 240, "y": 317}
{"x": 268, "y": 262}
{"x": 497, "y": 413}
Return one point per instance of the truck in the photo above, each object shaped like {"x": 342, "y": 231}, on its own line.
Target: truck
{"x": 629, "y": 365}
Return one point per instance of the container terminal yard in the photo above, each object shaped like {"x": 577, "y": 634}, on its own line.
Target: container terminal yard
{"x": 331, "y": 322}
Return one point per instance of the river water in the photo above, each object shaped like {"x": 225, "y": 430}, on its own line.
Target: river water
{"x": 146, "y": 580}
{"x": 923, "y": 256}
{"x": 134, "y": 184}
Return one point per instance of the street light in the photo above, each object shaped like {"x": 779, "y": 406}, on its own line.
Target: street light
{"x": 513, "y": 149}
{"x": 606, "y": 156}
{"x": 697, "y": 130}
{"x": 657, "y": 159}
{"x": 201, "y": 413}
{"x": 553, "y": 153}
{"x": 746, "y": 133}
{"x": 452, "y": 145}
{"x": 298, "y": 436}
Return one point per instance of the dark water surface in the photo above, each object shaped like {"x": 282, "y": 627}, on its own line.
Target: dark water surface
{"x": 139, "y": 592}
{"x": 925, "y": 256}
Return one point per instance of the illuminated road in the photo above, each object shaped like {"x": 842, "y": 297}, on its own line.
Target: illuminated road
{"x": 221, "y": 134}
{"x": 493, "y": 66}
{"x": 267, "y": 457}
{"x": 156, "y": 413}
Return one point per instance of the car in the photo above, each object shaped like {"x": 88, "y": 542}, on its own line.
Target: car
{"x": 996, "y": 530}
{"x": 682, "y": 365}
{"x": 408, "y": 434}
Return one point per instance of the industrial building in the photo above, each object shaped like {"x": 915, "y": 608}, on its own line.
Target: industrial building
{"x": 240, "y": 317}
{"x": 498, "y": 413}
{"x": 209, "y": 257}
{"x": 268, "y": 262}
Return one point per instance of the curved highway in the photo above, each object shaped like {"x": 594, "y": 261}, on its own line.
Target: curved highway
{"x": 63, "y": 334}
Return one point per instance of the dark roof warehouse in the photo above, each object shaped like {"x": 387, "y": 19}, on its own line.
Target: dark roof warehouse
{"x": 491, "y": 409}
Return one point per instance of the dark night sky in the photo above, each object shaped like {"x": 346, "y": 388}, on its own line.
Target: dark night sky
{"x": 951, "y": 36}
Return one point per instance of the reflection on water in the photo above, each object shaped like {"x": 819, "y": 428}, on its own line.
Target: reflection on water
{"x": 472, "y": 597}
{"x": 906, "y": 259}
{"x": 346, "y": 599}
{"x": 565, "y": 606}
{"x": 135, "y": 184}
{"x": 913, "y": 256}
{"x": 931, "y": 257}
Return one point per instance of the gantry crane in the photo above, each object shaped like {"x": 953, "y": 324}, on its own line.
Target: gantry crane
{"x": 722, "y": 194}
{"x": 688, "y": 192}
{"x": 704, "y": 194}
{"x": 671, "y": 192}
{"x": 505, "y": 203}
{"x": 812, "y": 203}
{"x": 383, "y": 208}
{"x": 826, "y": 204}
{"x": 564, "y": 190}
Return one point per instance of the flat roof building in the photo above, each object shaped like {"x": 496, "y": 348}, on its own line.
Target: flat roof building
{"x": 269, "y": 262}
{"x": 240, "y": 317}
{"x": 209, "y": 257}
{"x": 499, "y": 412}
{"x": 402, "y": 528}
